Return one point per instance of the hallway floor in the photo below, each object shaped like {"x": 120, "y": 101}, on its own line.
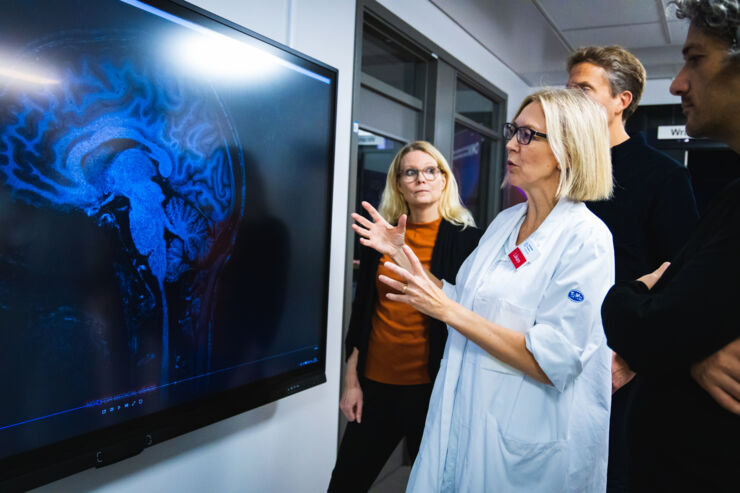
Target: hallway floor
{"x": 395, "y": 482}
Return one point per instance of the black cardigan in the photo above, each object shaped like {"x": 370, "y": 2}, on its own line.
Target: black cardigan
{"x": 451, "y": 248}
{"x": 679, "y": 438}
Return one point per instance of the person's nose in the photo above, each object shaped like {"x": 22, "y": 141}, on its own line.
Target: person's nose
{"x": 512, "y": 144}
{"x": 680, "y": 84}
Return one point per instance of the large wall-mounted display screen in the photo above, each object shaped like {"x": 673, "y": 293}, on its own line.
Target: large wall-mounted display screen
{"x": 165, "y": 202}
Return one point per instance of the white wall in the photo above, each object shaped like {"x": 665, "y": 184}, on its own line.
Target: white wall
{"x": 289, "y": 445}
{"x": 433, "y": 23}
{"x": 656, "y": 92}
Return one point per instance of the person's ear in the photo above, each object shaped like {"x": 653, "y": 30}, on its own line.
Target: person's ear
{"x": 625, "y": 100}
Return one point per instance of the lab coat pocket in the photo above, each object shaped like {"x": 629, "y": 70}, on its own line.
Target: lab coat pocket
{"x": 512, "y": 317}
{"x": 516, "y": 465}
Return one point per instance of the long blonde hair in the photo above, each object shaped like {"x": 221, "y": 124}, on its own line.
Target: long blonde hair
{"x": 578, "y": 135}
{"x": 393, "y": 205}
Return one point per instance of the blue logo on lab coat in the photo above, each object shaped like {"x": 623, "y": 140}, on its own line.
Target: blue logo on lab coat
{"x": 576, "y": 296}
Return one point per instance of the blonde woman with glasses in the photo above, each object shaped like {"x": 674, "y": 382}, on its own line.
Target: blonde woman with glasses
{"x": 521, "y": 400}
{"x": 393, "y": 350}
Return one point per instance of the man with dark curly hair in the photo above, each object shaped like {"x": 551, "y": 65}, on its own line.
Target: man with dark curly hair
{"x": 678, "y": 326}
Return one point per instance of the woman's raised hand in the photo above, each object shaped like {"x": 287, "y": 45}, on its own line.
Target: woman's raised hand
{"x": 379, "y": 234}
{"x": 417, "y": 289}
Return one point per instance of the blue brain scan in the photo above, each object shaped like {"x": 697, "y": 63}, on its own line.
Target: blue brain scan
{"x": 157, "y": 166}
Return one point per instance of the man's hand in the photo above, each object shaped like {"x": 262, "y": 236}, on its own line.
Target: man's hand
{"x": 621, "y": 372}
{"x": 649, "y": 280}
{"x": 719, "y": 375}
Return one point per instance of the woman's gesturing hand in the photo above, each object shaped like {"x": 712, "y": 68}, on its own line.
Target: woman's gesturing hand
{"x": 379, "y": 234}
{"x": 416, "y": 289}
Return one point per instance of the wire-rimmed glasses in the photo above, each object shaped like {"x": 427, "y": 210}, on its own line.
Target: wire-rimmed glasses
{"x": 410, "y": 174}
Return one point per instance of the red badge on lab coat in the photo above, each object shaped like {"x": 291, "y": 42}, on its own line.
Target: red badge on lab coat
{"x": 517, "y": 258}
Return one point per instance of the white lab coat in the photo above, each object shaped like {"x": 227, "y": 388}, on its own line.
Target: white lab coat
{"x": 513, "y": 433}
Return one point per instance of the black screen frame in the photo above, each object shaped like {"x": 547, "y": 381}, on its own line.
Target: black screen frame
{"x": 115, "y": 443}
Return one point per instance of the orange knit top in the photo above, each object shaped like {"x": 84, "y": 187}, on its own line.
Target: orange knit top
{"x": 398, "y": 350}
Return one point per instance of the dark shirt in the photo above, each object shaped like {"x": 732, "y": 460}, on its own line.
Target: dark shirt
{"x": 451, "y": 248}
{"x": 651, "y": 215}
{"x": 680, "y": 439}
{"x": 652, "y": 212}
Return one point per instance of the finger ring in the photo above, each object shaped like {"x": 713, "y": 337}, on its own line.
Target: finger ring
{"x": 405, "y": 287}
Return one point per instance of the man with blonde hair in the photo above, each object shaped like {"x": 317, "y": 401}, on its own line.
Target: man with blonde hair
{"x": 651, "y": 214}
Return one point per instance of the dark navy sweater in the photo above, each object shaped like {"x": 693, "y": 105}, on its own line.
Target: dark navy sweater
{"x": 652, "y": 212}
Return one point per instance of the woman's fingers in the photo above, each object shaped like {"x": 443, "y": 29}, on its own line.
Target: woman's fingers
{"x": 358, "y": 411}
{"x": 351, "y": 404}
{"x": 416, "y": 266}
{"x": 375, "y": 215}
{"x": 347, "y": 411}
{"x": 361, "y": 231}
{"x": 347, "y": 408}
{"x": 402, "y": 222}
{"x": 362, "y": 220}
{"x": 371, "y": 210}
{"x": 392, "y": 283}
{"x": 406, "y": 275}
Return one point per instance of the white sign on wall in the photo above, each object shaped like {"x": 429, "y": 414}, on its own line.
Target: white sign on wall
{"x": 672, "y": 132}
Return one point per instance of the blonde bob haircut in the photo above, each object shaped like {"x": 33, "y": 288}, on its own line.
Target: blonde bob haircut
{"x": 578, "y": 135}
{"x": 393, "y": 205}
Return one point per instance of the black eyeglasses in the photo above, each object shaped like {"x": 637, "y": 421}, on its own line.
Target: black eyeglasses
{"x": 523, "y": 134}
{"x": 410, "y": 174}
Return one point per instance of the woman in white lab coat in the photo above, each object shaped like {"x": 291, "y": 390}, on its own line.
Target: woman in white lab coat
{"x": 521, "y": 401}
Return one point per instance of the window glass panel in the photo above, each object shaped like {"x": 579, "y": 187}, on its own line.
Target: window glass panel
{"x": 474, "y": 105}
{"x": 374, "y": 156}
{"x": 387, "y": 60}
{"x": 470, "y": 163}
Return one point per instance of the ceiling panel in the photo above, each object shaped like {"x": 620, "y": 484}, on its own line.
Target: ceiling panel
{"x": 535, "y": 37}
{"x": 660, "y": 63}
{"x": 514, "y": 31}
{"x": 569, "y": 14}
{"x": 634, "y": 36}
